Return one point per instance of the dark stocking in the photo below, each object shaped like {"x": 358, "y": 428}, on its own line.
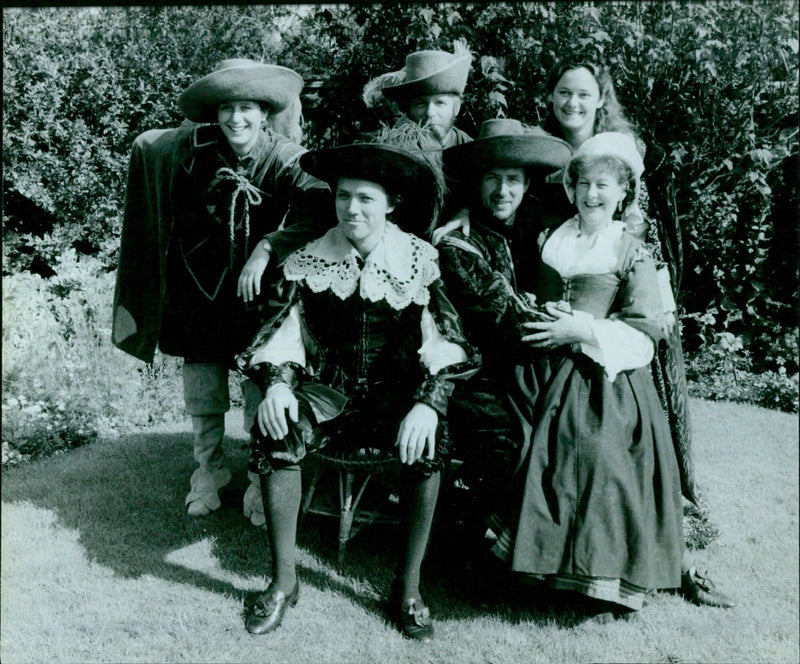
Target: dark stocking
{"x": 419, "y": 504}
{"x": 281, "y": 492}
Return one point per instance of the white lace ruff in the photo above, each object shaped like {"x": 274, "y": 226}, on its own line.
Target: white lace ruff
{"x": 399, "y": 269}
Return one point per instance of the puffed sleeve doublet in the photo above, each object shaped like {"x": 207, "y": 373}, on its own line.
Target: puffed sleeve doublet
{"x": 400, "y": 272}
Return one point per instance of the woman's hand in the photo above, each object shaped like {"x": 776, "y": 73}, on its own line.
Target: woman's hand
{"x": 250, "y": 279}
{"x": 571, "y": 327}
{"x": 417, "y": 430}
{"x": 272, "y": 411}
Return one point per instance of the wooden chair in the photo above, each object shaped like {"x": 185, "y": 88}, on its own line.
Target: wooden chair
{"x": 356, "y": 468}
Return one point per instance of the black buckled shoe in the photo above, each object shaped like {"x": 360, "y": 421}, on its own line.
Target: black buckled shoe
{"x": 699, "y": 589}
{"x": 267, "y": 611}
{"x": 412, "y": 617}
{"x": 414, "y": 620}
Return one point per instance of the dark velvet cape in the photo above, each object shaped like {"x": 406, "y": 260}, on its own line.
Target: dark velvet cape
{"x": 148, "y": 220}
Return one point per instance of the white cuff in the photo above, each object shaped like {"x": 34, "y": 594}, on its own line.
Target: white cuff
{"x": 619, "y": 347}
{"x": 437, "y": 352}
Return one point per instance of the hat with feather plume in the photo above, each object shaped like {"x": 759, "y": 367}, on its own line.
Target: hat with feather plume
{"x": 425, "y": 73}
{"x": 393, "y": 158}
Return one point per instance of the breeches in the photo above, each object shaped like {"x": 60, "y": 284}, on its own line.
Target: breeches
{"x": 206, "y": 391}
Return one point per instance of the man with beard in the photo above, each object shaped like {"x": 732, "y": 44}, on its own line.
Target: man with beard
{"x": 428, "y": 91}
{"x": 489, "y": 261}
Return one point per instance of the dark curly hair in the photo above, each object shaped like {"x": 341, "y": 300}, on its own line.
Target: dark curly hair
{"x": 609, "y": 117}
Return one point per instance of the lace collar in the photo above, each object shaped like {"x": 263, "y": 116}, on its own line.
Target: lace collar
{"x": 399, "y": 269}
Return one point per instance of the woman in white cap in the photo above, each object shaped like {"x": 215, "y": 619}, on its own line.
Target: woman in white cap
{"x": 203, "y": 204}
{"x": 600, "y": 508}
{"x": 584, "y": 103}
{"x": 365, "y": 347}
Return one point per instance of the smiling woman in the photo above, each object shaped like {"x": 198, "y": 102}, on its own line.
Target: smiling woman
{"x": 576, "y": 98}
{"x": 204, "y": 186}
{"x": 241, "y": 122}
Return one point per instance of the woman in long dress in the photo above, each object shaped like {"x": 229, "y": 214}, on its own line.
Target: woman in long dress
{"x": 583, "y": 104}
{"x": 599, "y": 507}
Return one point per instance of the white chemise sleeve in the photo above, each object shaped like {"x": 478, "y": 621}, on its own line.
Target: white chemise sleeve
{"x": 286, "y": 345}
{"x": 619, "y": 347}
{"x": 437, "y": 352}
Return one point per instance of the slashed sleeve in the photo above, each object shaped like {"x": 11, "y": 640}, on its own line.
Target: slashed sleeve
{"x": 277, "y": 352}
{"x": 445, "y": 354}
{"x": 285, "y": 345}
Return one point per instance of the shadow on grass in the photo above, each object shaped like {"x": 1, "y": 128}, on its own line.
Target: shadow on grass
{"x": 125, "y": 498}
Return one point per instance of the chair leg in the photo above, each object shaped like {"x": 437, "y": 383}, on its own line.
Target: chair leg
{"x": 346, "y": 516}
{"x": 308, "y": 494}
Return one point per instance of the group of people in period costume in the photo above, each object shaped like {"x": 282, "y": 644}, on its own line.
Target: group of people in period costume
{"x": 502, "y": 300}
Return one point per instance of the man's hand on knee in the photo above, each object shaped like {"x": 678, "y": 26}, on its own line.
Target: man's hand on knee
{"x": 272, "y": 411}
{"x": 417, "y": 433}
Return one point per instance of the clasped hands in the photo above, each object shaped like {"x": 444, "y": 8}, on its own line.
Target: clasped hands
{"x": 415, "y": 437}
{"x": 569, "y": 327}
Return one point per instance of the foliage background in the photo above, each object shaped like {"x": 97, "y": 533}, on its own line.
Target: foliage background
{"x": 712, "y": 88}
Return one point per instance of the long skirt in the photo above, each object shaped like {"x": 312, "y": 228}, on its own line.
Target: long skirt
{"x": 598, "y": 508}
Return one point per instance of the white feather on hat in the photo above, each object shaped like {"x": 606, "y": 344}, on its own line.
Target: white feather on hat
{"x": 373, "y": 89}
{"x": 372, "y": 93}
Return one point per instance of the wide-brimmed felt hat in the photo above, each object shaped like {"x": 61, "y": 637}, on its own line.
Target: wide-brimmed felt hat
{"x": 240, "y": 79}
{"x": 609, "y": 144}
{"x": 430, "y": 73}
{"x": 399, "y": 171}
{"x": 506, "y": 143}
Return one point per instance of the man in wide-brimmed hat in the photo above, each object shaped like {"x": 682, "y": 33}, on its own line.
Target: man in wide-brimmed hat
{"x": 428, "y": 91}
{"x": 363, "y": 349}
{"x": 203, "y": 204}
{"x": 490, "y": 265}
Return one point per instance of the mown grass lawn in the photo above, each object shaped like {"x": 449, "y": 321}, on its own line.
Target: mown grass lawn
{"x": 99, "y": 564}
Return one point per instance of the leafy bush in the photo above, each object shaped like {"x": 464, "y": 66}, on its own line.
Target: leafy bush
{"x": 62, "y": 379}
{"x": 80, "y": 84}
{"x": 723, "y": 371}
{"x": 39, "y": 429}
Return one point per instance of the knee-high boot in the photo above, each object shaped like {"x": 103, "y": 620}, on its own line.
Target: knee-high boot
{"x": 252, "y": 503}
